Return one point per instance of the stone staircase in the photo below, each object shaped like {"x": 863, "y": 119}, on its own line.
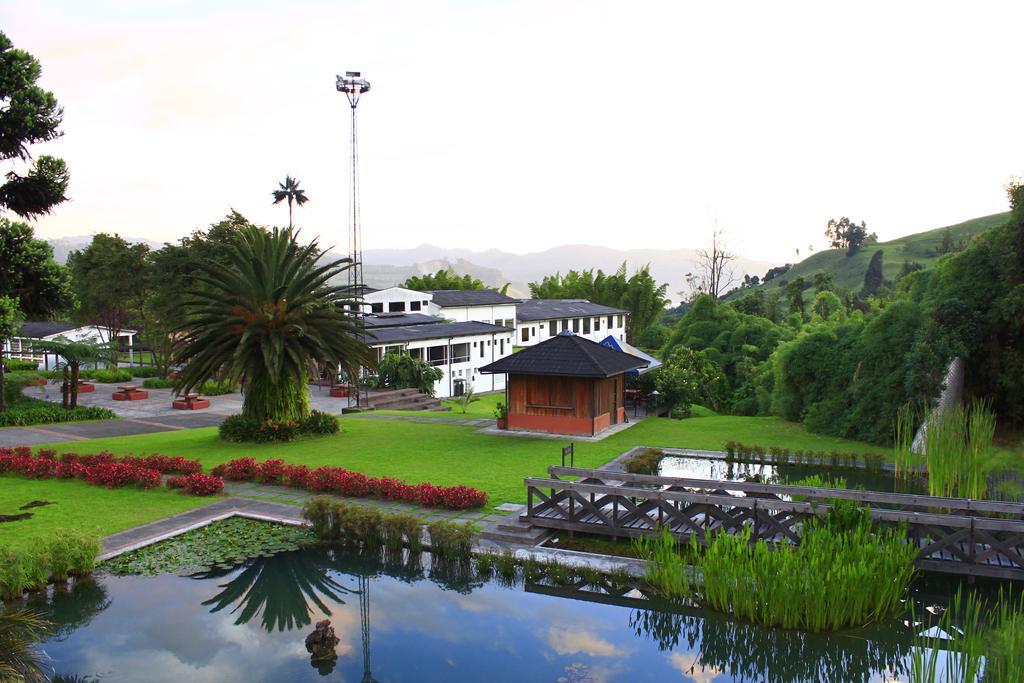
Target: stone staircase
{"x": 513, "y": 531}
{"x": 404, "y": 399}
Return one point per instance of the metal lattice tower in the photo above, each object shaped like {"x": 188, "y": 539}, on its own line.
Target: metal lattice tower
{"x": 354, "y": 85}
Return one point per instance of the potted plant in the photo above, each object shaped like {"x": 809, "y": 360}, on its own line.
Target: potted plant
{"x": 501, "y": 415}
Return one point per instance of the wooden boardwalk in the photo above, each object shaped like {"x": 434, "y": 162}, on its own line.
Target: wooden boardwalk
{"x": 954, "y": 535}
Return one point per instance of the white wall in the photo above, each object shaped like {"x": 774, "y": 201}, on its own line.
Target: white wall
{"x": 485, "y": 314}
{"x": 397, "y": 300}
{"x": 483, "y": 349}
{"x": 540, "y": 330}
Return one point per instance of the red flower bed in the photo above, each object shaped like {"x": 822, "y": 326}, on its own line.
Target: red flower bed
{"x": 161, "y": 463}
{"x": 348, "y": 483}
{"x": 198, "y": 484}
{"x": 102, "y": 469}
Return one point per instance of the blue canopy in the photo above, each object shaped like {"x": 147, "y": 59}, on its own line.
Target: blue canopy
{"x": 618, "y": 345}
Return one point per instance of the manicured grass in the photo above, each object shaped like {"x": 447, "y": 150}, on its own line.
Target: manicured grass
{"x": 447, "y": 454}
{"x": 78, "y": 505}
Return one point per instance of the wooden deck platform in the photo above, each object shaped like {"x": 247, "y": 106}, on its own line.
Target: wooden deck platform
{"x": 954, "y": 535}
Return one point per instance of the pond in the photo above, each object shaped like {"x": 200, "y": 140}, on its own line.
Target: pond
{"x": 694, "y": 467}
{"x": 401, "y": 619}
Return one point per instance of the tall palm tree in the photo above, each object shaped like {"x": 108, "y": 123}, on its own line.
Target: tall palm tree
{"x": 291, "y": 191}
{"x": 261, "y": 318}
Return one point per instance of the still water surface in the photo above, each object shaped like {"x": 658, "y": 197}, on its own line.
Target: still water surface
{"x": 403, "y": 620}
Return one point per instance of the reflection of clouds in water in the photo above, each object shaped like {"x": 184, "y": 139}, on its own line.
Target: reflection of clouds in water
{"x": 688, "y": 665}
{"x": 567, "y": 640}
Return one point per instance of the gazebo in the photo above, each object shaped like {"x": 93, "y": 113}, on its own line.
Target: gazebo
{"x": 565, "y": 385}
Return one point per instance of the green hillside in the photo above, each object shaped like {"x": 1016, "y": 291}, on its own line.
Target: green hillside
{"x": 848, "y": 271}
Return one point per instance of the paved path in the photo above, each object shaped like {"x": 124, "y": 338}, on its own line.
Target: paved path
{"x": 147, "y": 416}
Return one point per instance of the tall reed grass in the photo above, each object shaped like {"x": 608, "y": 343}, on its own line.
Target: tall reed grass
{"x": 971, "y": 642}
{"x": 958, "y": 446}
{"x": 843, "y": 573}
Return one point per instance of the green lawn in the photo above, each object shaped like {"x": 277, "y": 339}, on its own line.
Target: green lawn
{"x": 78, "y": 505}
{"x": 447, "y": 454}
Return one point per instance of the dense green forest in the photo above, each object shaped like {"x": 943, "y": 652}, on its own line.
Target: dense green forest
{"x": 843, "y": 355}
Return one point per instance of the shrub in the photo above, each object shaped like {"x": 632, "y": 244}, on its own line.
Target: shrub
{"x": 144, "y": 371}
{"x": 41, "y": 412}
{"x": 157, "y": 383}
{"x": 70, "y": 553}
{"x": 103, "y": 469}
{"x": 197, "y": 484}
{"x": 215, "y": 387}
{"x": 451, "y": 540}
{"x": 239, "y": 428}
{"x": 352, "y": 484}
{"x": 681, "y": 411}
{"x": 14, "y": 365}
{"x": 402, "y": 371}
{"x": 106, "y": 376}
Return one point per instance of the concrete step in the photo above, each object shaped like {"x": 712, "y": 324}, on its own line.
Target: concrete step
{"x": 424, "y": 403}
{"x": 511, "y": 533}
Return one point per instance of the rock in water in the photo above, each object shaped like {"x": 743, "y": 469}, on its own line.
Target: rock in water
{"x": 322, "y": 641}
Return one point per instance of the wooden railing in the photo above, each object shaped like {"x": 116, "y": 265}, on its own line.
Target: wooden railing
{"x": 955, "y": 535}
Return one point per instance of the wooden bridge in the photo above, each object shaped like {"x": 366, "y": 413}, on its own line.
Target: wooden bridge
{"x": 954, "y": 535}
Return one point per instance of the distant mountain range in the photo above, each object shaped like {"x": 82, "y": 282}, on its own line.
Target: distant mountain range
{"x": 386, "y": 267}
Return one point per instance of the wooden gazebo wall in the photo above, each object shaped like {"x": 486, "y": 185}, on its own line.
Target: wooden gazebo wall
{"x": 564, "y": 405}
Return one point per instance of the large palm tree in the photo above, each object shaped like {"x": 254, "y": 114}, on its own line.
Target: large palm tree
{"x": 290, "y": 190}
{"x": 261, "y": 318}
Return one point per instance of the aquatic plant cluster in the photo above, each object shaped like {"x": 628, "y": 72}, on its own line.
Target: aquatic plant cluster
{"x": 645, "y": 462}
{"x": 957, "y": 449}
{"x": 333, "y": 520}
{"x": 221, "y": 545}
{"x": 348, "y": 483}
{"x": 989, "y": 642}
{"x": 62, "y": 554}
{"x": 843, "y": 573}
{"x": 775, "y": 455}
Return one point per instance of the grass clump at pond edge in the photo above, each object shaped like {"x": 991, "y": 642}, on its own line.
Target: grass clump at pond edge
{"x": 62, "y": 554}
{"x": 843, "y": 573}
{"x": 645, "y": 462}
{"x": 221, "y": 544}
{"x": 336, "y": 521}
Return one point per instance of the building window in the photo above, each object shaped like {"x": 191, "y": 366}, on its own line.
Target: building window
{"x": 481, "y": 349}
{"x": 576, "y": 325}
{"x": 526, "y": 334}
{"x": 552, "y": 328}
{"x": 586, "y": 326}
{"x": 437, "y": 355}
{"x": 376, "y": 308}
{"x": 414, "y": 305}
{"x": 416, "y": 353}
{"x": 597, "y": 324}
{"x": 565, "y": 325}
{"x": 610, "y": 322}
{"x": 460, "y": 353}
{"x": 618, "y": 320}
{"x": 501, "y": 347}
{"x": 396, "y": 307}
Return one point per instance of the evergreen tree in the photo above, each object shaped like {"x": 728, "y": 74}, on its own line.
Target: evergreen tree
{"x": 873, "y": 276}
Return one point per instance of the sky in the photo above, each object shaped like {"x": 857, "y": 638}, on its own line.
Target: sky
{"x": 526, "y": 125}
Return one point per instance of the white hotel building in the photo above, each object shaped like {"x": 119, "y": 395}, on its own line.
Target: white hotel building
{"x": 460, "y": 331}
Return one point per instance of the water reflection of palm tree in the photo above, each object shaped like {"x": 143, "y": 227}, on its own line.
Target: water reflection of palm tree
{"x": 280, "y": 587}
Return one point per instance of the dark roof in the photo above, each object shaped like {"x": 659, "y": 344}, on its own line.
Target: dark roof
{"x": 44, "y": 328}
{"x": 393, "y": 319}
{"x": 553, "y": 309}
{"x": 469, "y": 297}
{"x": 407, "y": 333}
{"x": 567, "y": 355}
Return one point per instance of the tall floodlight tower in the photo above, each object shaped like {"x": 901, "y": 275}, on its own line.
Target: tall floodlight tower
{"x": 354, "y": 85}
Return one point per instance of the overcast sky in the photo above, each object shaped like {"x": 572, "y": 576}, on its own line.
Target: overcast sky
{"x": 524, "y": 125}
